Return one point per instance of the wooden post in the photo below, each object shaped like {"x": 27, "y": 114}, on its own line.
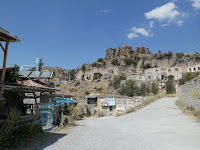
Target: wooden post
{"x": 4, "y": 68}
{"x": 4, "y": 63}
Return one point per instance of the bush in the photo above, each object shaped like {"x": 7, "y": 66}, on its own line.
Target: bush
{"x": 188, "y": 77}
{"x": 154, "y": 88}
{"x": 72, "y": 74}
{"x": 170, "y": 87}
{"x": 83, "y": 68}
{"x": 88, "y": 113}
{"x": 130, "y": 88}
{"x": 115, "y": 62}
{"x": 159, "y": 52}
{"x": 128, "y": 61}
{"x": 144, "y": 90}
{"x": 87, "y": 92}
{"x": 117, "y": 81}
{"x": 179, "y": 55}
{"x": 170, "y": 53}
{"x": 71, "y": 114}
{"x": 100, "y": 60}
{"x": 146, "y": 66}
{"x": 99, "y": 89}
{"x": 94, "y": 64}
{"x": 98, "y": 65}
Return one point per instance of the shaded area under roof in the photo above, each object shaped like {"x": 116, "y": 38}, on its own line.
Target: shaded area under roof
{"x": 5, "y": 35}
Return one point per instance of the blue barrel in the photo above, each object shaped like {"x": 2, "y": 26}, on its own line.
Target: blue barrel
{"x": 38, "y": 64}
{"x": 38, "y": 60}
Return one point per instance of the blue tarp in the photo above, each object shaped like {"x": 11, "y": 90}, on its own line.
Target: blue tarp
{"x": 63, "y": 100}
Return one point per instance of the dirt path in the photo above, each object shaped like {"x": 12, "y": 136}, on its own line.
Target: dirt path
{"x": 158, "y": 126}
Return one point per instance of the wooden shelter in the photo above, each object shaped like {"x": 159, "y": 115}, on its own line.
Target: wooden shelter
{"x": 6, "y": 37}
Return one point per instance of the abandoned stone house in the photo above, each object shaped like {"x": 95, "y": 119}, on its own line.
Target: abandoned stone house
{"x": 137, "y": 77}
{"x": 162, "y": 73}
{"x": 195, "y": 68}
{"x": 103, "y": 106}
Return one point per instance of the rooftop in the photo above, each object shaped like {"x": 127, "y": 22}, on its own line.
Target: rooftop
{"x": 7, "y": 36}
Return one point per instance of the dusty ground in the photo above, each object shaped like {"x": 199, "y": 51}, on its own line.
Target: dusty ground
{"x": 158, "y": 126}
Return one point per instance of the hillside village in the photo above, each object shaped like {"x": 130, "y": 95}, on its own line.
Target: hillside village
{"x": 140, "y": 65}
{"x": 126, "y": 80}
{"x": 100, "y": 75}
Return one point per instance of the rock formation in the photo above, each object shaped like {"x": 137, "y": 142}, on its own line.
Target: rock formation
{"x": 148, "y": 51}
{"x": 140, "y": 50}
{"x": 121, "y": 52}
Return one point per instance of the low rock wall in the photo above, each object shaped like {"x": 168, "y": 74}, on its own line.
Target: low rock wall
{"x": 187, "y": 93}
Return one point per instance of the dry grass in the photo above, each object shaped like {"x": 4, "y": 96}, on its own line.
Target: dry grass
{"x": 188, "y": 110}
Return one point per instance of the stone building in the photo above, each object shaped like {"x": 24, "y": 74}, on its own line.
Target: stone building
{"x": 136, "y": 77}
{"x": 195, "y": 68}
{"x": 163, "y": 73}
{"x": 152, "y": 74}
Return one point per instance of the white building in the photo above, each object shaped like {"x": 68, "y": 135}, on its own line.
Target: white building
{"x": 194, "y": 68}
{"x": 162, "y": 73}
{"x": 136, "y": 77}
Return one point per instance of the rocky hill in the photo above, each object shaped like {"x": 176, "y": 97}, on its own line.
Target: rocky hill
{"x": 125, "y": 60}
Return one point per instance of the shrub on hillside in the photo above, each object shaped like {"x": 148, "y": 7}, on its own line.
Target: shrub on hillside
{"x": 179, "y": 55}
{"x": 100, "y": 60}
{"x": 115, "y": 62}
{"x": 188, "y": 77}
{"x": 128, "y": 61}
{"x": 83, "y": 68}
{"x": 145, "y": 66}
{"x": 170, "y": 53}
{"x": 117, "y": 81}
{"x": 72, "y": 74}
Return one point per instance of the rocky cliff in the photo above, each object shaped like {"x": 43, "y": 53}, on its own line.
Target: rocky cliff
{"x": 125, "y": 60}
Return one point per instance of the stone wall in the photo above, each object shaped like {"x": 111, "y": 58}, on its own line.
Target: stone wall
{"x": 123, "y": 104}
{"x": 126, "y": 103}
{"x": 186, "y": 94}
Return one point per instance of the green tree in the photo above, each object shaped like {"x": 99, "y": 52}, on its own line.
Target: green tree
{"x": 14, "y": 75}
{"x": 154, "y": 88}
{"x": 144, "y": 89}
{"x": 117, "y": 81}
{"x": 130, "y": 88}
{"x": 159, "y": 51}
{"x": 170, "y": 86}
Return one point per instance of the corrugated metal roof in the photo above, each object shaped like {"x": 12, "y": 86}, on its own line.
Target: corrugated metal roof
{"x": 8, "y": 36}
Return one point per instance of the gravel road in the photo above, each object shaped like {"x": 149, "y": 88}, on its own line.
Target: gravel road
{"x": 158, "y": 126}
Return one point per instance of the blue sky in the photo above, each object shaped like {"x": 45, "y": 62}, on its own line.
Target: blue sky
{"x": 66, "y": 33}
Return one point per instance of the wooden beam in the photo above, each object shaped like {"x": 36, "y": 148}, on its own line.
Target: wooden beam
{"x": 1, "y": 37}
{"x": 2, "y": 47}
{"x": 4, "y": 63}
